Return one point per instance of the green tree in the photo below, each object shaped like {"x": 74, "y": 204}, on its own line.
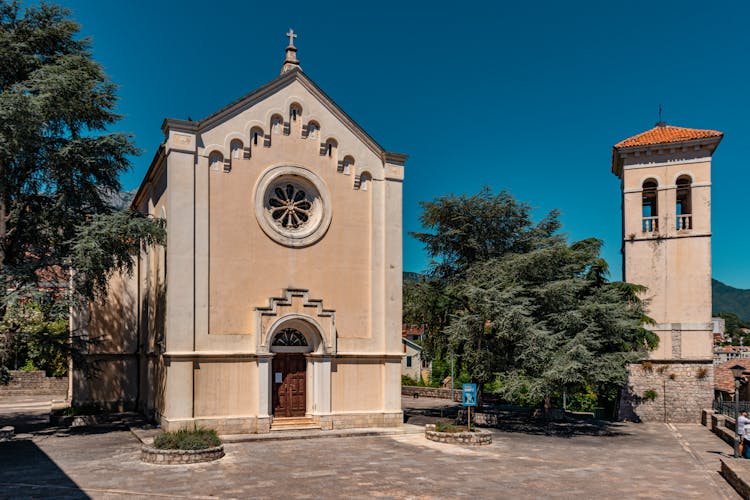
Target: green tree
{"x": 732, "y": 326}
{"x": 462, "y": 231}
{"x": 547, "y": 319}
{"x": 59, "y": 165}
{"x": 509, "y": 297}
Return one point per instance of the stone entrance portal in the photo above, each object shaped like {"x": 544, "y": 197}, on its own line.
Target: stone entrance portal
{"x": 289, "y": 385}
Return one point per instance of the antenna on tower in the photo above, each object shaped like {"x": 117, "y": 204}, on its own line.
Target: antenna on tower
{"x": 660, "y": 123}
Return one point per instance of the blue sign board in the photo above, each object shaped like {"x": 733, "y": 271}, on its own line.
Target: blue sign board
{"x": 469, "y": 395}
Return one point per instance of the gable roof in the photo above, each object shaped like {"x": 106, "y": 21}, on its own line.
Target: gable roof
{"x": 666, "y": 134}
{"x": 411, "y": 344}
{"x": 254, "y": 97}
{"x": 270, "y": 88}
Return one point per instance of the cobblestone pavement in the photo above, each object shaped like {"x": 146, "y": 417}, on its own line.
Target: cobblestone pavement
{"x": 640, "y": 461}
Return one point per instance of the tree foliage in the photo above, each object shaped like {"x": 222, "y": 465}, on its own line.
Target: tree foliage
{"x": 59, "y": 165}
{"x": 523, "y": 305}
{"x": 464, "y": 229}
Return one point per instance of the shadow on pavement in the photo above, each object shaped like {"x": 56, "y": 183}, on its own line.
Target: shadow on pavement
{"x": 38, "y": 424}
{"x": 510, "y": 419}
{"x": 22, "y": 463}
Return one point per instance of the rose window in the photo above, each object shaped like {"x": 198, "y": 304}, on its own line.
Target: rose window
{"x": 292, "y": 206}
{"x": 289, "y": 206}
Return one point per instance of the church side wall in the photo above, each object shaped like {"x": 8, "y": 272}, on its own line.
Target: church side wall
{"x": 110, "y": 374}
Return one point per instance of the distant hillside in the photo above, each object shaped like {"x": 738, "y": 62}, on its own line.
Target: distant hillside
{"x": 120, "y": 200}
{"x": 730, "y": 299}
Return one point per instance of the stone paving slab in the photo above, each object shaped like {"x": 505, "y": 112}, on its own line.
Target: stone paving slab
{"x": 639, "y": 461}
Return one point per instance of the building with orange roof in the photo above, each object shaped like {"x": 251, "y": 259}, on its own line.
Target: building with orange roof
{"x": 665, "y": 175}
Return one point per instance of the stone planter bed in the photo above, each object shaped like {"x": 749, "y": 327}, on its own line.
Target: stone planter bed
{"x": 179, "y": 457}
{"x": 477, "y": 438}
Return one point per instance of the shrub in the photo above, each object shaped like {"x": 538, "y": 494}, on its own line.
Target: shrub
{"x": 29, "y": 366}
{"x": 407, "y": 380}
{"x": 650, "y": 395}
{"x": 183, "y": 439}
{"x": 448, "y": 427}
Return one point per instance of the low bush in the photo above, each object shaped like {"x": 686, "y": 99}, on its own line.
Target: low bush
{"x": 650, "y": 395}
{"x": 196, "y": 439}
{"x": 448, "y": 427}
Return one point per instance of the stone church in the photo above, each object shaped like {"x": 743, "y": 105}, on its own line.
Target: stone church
{"x": 665, "y": 176}
{"x": 277, "y": 300}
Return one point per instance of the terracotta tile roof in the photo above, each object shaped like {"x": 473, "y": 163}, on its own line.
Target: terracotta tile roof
{"x": 412, "y": 330}
{"x": 665, "y": 134}
{"x": 723, "y": 378}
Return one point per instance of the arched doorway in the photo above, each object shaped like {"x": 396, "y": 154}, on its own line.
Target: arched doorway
{"x": 294, "y": 370}
{"x": 289, "y": 368}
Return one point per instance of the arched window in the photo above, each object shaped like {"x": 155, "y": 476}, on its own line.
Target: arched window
{"x": 684, "y": 208}
{"x": 365, "y": 180}
{"x": 295, "y": 112}
{"x": 329, "y": 149}
{"x": 312, "y": 130}
{"x": 277, "y": 124}
{"x": 236, "y": 148}
{"x": 216, "y": 161}
{"x": 650, "y": 206}
{"x": 256, "y": 137}
{"x": 347, "y": 164}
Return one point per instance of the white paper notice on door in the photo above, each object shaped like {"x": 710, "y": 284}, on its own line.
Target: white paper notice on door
{"x": 277, "y": 377}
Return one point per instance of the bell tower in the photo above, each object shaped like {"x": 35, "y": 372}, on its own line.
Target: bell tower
{"x": 665, "y": 175}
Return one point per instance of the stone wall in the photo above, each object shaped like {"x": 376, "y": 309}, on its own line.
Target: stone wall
{"x": 179, "y": 457}
{"x": 358, "y": 420}
{"x": 430, "y": 392}
{"x": 34, "y": 384}
{"x": 682, "y": 389}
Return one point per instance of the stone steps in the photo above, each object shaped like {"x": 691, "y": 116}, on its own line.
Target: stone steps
{"x": 293, "y": 424}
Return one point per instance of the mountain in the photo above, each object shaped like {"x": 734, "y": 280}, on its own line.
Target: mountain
{"x": 120, "y": 200}
{"x": 730, "y": 299}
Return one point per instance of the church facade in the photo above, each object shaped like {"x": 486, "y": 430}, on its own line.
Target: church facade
{"x": 277, "y": 300}
{"x": 665, "y": 175}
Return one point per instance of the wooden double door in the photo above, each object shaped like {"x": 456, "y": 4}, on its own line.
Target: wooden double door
{"x": 289, "y": 385}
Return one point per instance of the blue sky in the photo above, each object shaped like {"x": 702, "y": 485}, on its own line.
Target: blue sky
{"x": 523, "y": 96}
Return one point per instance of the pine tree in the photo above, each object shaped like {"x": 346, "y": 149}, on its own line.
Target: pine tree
{"x": 512, "y": 299}
{"x": 59, "y": 164}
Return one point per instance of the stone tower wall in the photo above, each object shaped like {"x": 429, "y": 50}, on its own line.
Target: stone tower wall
{"x": 682, "y": 388}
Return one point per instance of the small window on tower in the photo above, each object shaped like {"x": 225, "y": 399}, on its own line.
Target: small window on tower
{"x": 650, "y": 206}
{"x": 684, "y": 209}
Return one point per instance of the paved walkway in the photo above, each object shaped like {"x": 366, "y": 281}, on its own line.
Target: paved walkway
{"x": 637, "y": 461}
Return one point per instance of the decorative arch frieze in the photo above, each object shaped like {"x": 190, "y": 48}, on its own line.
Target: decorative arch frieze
{"x": 295, "y": 309}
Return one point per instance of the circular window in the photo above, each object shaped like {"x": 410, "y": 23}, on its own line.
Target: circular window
{"x": 292, "y": 206}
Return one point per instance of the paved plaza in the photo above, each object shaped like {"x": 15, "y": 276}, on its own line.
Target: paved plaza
{"x": 635, "y": 461}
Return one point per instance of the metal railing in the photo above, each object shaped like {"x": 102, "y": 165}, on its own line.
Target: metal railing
{"x": 727, "y": 407}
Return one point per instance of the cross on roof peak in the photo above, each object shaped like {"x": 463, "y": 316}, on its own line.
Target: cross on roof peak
{"x": 292, "y": 35}
{"x": 291, "y": 61}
